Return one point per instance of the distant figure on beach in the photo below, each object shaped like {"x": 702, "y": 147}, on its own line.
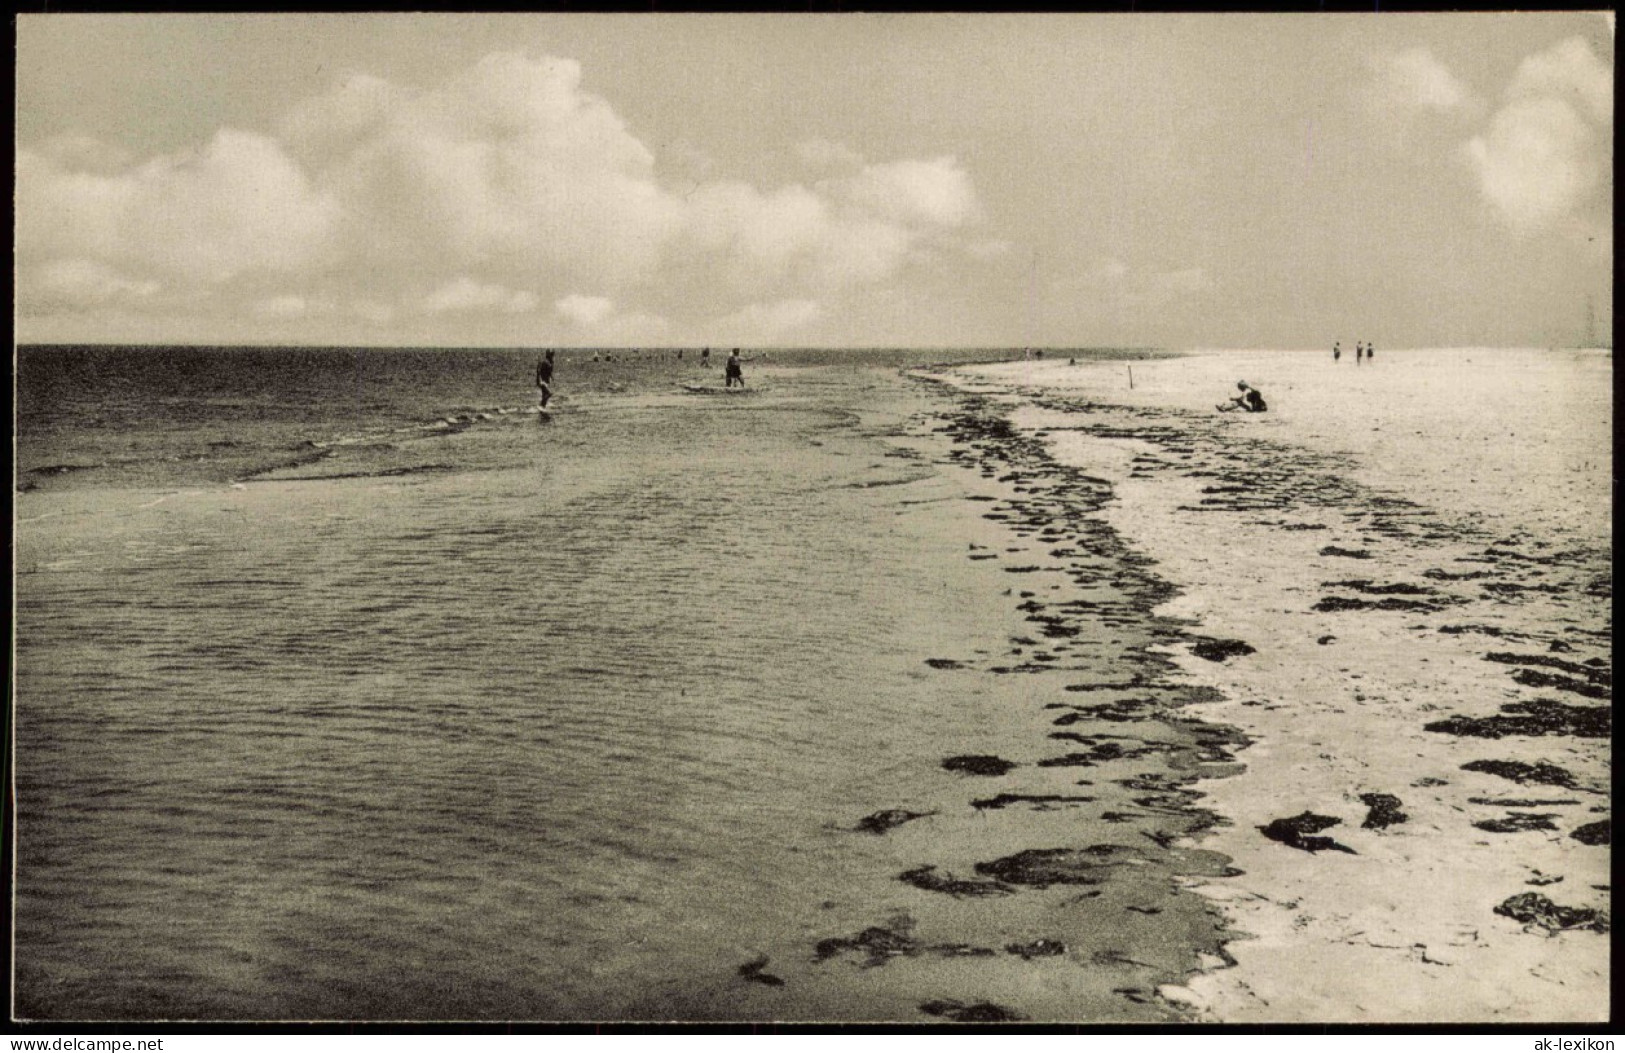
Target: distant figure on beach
{"x": 1337, "y": 350}
{"x": 1250, "y": 400}
{"x": 1359, "y": 352}
{"x": 705, "y": 356}
{"x": 734, "y": 372}
{"x": 1370, "y": 351}
{"x": 544, "y": 378}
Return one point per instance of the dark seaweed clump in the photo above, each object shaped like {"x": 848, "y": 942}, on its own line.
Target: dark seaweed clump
{"x": 1532, "y": 908}
{"x": 880, "y": 822}
{"x": 1516, "y": 822}
{"x": 1599, "y": 833}
{"x": 1297, "y": 830}
{"x": 1535, "y": 678}
{"x": 1040, "y": 800}
{"x": 879, "y": 944}
{"x": 1343, "y": 603}
{"x": 1043, "y": 867}
{"x": 973, "y": 764}
{"x": 927, "y": 878}
{"x": 752, "y": 971}
{"x": 1532, "y": 718}
{"x": 1219, "y": 650}
{"x": 1519, "y": 772}
{"x": 1036, "y": 949}
{"x": 1383, "y": 811}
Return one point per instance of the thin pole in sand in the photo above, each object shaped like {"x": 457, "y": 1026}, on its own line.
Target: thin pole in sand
{"x": 1131, "y": 378}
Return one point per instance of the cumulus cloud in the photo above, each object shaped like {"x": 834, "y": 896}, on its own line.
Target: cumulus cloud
{"x": 504, "y": 187}
{"x": 1570, "y": 71}
{"x": 76, "y": 284}
{"x": 1415, "y": 79}
{"x": 585, "y": 310}
{"x": 465, "y": 294}
{"x": 1544, "y": 155}
{"x": 237, "y": 205}
{"x": 282, "y": 307}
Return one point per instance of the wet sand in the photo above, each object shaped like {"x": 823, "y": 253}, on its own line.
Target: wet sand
{"x": 1403, "y": 579}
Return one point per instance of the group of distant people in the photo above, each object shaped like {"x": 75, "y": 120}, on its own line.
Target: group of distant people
{"x": 1360, "y": 351}
{"x": 733, "y": 371}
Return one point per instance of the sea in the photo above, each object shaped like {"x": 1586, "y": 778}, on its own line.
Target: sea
{"x": 349, "y": 687}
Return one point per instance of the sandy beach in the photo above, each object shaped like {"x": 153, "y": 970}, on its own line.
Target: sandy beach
{"x": 1403, "y": 574}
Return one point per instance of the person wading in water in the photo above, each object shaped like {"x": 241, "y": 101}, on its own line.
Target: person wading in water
{"x": 544, "y": 379}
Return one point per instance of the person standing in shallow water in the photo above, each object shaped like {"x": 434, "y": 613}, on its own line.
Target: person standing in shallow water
{"x": 733, "y": 371}
{"x": 544, "y": 379}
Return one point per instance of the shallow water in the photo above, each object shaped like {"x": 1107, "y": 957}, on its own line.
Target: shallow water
{"x": 564, "y": 720}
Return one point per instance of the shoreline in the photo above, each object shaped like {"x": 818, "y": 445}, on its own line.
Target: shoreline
{"x": 1367, "y": 616}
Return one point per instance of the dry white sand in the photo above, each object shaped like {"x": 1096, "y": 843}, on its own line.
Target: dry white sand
{"x": 1402, "y": 929}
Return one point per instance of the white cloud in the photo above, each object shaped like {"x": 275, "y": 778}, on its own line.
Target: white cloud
{"x": 502, "y": 188}
{"x": 1541, "y": 160}
{"x": 1535, "y": 161}
{"x": 935, "y": 193}
{"x": 585, "y": 310}
{"x": 238, "y": 205}
{"x": 282, "y": 307}
{"x": 1571, "y": 71}
{"x": 465, "y": 294}
{"x": 1414, "y": 78}
{"x": 76, "y": 284}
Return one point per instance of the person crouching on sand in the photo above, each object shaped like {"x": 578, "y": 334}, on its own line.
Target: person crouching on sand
{"x": 734, "y": 372}
{"x": 544, "y": 379}
{"x": 1250, "y": 400}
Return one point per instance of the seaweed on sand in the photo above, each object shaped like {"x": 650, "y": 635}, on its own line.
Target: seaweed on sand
{"x": 891, "y": 818}
{"x": 1383, "y": 811}
{"x": 1521, "y": 773}
{"x": 1533, "y": 909}
{"x": 927, "y": 878}
{"x": 1544, "y": 717}
{"x": 1598, "y": 833}
{"x": 1219, "y": 650}
{"x": 1297, "y": 832}
{"x": 977, "y": 764}
{"x": 1517, "y": 822}
{"x": 1043, "y": 867}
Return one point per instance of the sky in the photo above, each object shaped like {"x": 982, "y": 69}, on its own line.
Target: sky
{"x": 648, "y": 180}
